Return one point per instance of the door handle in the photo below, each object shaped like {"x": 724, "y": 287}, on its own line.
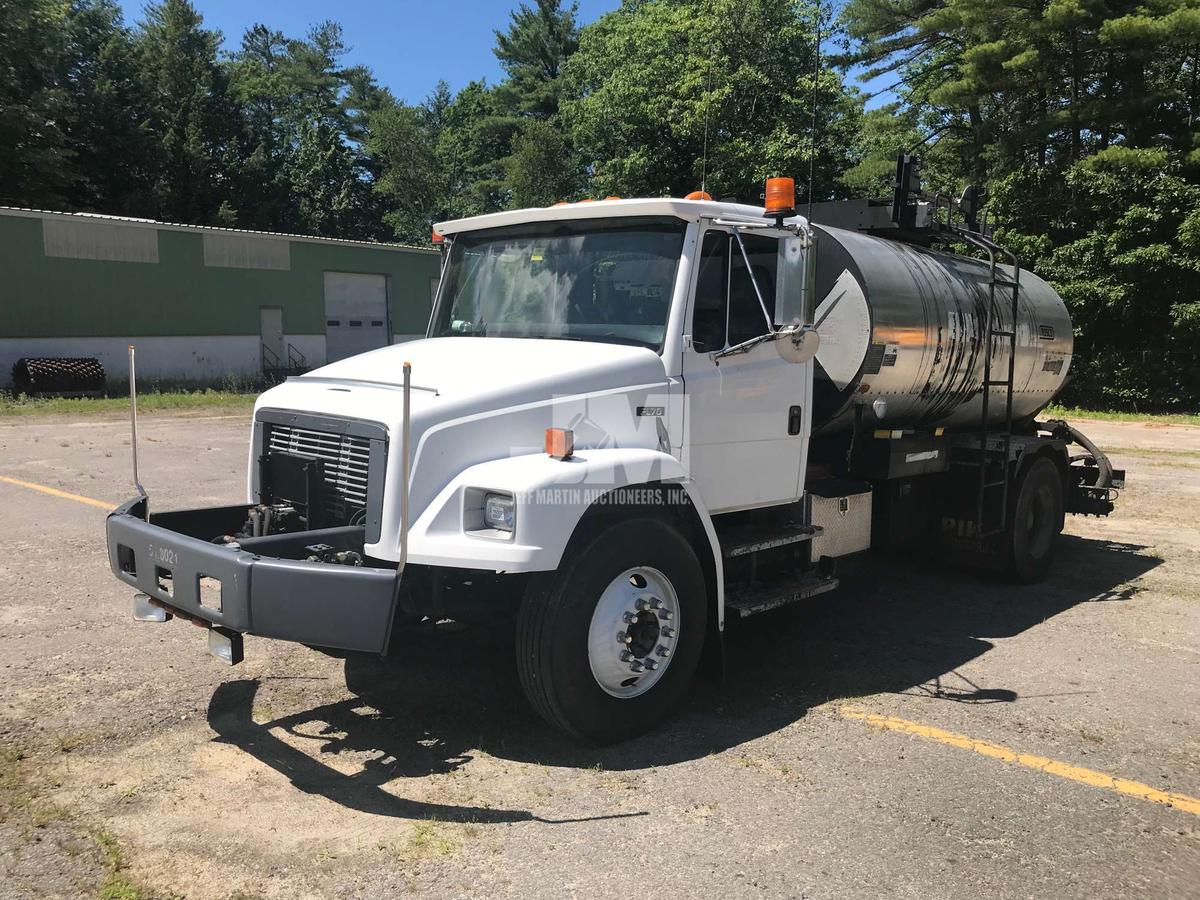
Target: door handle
{"x": 795, "y": 418}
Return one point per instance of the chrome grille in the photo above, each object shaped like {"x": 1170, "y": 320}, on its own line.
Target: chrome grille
{"x": 347, "y": 464}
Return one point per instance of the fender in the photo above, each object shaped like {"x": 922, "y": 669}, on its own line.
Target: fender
{"x": 552, "y": 496}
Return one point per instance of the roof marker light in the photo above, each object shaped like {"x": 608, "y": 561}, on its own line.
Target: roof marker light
{"x": 560, "y": 442}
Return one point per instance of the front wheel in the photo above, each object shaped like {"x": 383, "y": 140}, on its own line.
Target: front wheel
{"x": 608, "y": 645}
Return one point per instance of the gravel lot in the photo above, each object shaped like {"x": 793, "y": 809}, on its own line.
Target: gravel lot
{"x": 134, "y": 762}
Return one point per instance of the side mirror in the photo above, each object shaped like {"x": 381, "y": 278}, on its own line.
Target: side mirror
{"x": 797, "y": 343}
{"x": 790, "y": 282}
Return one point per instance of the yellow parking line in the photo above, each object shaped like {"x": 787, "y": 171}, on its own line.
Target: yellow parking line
{"x": 1040, "y": 763}
{"x": 55, "y": 492}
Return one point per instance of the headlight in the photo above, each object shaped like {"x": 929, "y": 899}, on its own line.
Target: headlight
{"x": 499, "y": 511}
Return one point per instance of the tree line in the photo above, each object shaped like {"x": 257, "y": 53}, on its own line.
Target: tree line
{"x": 1078, "y": 117}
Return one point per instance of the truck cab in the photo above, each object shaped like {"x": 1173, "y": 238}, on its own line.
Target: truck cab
{"x": 607, "y": 433}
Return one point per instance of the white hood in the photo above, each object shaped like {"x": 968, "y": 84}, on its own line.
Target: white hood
{"x": 482, "y": 371}
{"x": 480, "y": 399}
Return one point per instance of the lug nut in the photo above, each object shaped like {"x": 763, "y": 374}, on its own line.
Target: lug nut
{"x": 656, "y": 603}
{"x": 639, "y": 604}
{"x": 626, "y": 656}
{"x": 650, "y": 664}
{"x": 629, "y": 618}
{"x": 623, "y": 638}
{"x": 636, "y": 665}
{"x": 666, "y": 615}
{"x": 662, "y": 651}
{"x": 668, "y": 632}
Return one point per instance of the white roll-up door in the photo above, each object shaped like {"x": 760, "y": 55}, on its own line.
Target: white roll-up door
{"x": 356, "y": 314}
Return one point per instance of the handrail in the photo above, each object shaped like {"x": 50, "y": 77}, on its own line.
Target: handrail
{"x": 264, "y": 352}
{"x": 296, "y": 359}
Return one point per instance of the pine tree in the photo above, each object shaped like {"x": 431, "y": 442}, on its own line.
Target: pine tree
{"x": 106, "y": 110}
{"x": 191, "y": 115}
{"x": 37, "y": 165}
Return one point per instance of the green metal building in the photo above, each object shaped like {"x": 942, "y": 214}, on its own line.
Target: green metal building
{"x": 200, "y": 304}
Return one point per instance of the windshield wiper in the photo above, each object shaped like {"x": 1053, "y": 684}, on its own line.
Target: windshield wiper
{"x": 743, "y": 347}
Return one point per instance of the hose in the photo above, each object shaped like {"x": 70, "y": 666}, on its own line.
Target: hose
{"x": 1061, "y": 429}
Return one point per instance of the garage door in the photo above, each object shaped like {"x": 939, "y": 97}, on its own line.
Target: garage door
{"x": 355, "y": 314}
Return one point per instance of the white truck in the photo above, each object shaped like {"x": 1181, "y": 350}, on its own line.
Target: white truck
{"x": 631, "y": 421}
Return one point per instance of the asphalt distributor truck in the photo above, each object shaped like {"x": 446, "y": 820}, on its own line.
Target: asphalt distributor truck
{"x": 631, "y": 421}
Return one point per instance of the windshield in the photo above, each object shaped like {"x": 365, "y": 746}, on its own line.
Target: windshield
{"x": 592, "y": 280}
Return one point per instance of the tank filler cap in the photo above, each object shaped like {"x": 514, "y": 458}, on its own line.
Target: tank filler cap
{"x": 880, "y": 407}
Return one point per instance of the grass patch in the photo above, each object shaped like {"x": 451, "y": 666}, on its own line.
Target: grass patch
{"x": 427, "y": 840}
{"x": 117, "y": 885}
{"x": 206, "y": 401}
{"x": 21, "y": 805}
{"x": 12, "y": 797}
{"x": 1068, "y": 412}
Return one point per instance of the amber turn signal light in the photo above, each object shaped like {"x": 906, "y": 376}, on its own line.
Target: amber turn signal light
{"x": 437, "y": 238}
{"x": 560, "y": 442}
{"x": 780, "y": 197}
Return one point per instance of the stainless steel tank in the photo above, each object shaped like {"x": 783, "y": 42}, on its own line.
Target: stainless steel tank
{"x": 906, "y": 325}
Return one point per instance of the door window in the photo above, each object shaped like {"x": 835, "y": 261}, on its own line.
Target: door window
{"x": 726, "y": 309}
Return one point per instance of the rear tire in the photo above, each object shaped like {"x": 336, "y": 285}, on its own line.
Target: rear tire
{"x": 586, "y": 632}
{"x": 1036, "y": 522}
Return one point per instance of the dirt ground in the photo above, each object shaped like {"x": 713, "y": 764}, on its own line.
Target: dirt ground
{"x": 137, "y": 765}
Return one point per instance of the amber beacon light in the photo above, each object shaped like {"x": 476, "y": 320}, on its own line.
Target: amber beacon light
{"x": 780, "y": 197}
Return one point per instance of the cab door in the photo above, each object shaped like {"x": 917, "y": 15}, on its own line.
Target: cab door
{"x": 746, "y": 416}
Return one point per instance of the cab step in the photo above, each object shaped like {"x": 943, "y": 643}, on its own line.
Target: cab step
{"x": 747, "y": 600}
{"x": 742, "y": 540}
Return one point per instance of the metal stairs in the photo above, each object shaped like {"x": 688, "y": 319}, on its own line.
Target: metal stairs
{"x": 743, "y": 540}
{"x": 752, "y": 591}
{"x": 757, "y": 597}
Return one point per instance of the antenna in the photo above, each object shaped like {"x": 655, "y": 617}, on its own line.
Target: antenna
{"x": 133, "y": 442}
{"x": 812, "y": 156}
{"x": 707, "y": 104}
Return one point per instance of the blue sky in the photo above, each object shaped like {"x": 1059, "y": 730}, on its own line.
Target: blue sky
{"x": 409, "y": 44}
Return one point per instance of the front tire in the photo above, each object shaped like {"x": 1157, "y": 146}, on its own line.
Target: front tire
{"x": 608, "y": 645}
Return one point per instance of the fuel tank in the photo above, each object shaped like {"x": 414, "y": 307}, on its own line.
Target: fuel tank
{"x": 906, "y": 325}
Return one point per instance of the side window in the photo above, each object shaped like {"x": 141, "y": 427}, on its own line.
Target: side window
{"x": 727, "y": 311}
{"x": 712, "y": 281}
{"x": 746, "y": 318}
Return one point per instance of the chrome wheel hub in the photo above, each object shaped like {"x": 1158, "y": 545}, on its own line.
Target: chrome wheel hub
{"x": 634, "y": 632}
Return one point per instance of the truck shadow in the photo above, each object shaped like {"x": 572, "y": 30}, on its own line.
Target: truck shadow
{"x": 447, "y": 695}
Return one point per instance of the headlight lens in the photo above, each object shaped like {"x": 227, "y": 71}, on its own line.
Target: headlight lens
{"x": 499, "y": 511}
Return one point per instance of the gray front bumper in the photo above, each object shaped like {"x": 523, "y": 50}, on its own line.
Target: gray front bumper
{"x": 324, "y": 605}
